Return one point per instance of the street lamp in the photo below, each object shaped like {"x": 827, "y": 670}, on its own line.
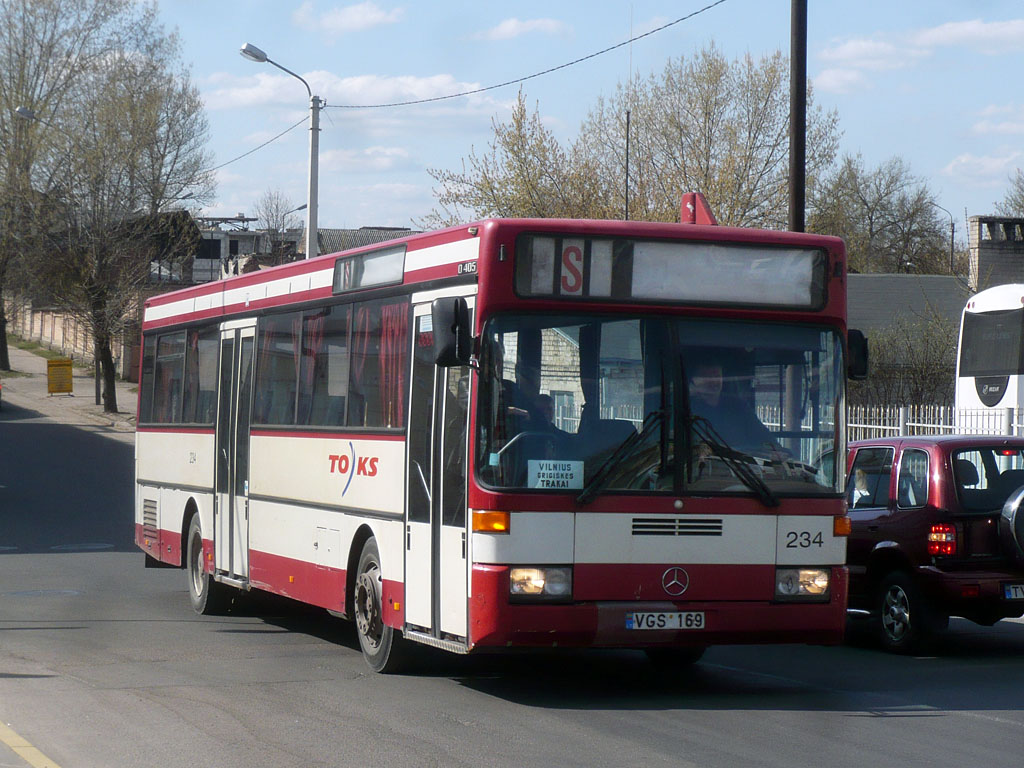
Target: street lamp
{"x": 952, "y": 232}
{"x": 252, "y": 53}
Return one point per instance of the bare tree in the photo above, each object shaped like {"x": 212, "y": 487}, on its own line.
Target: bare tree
{"x": 133, "y": 138}
{"x": 275, "y": 215}
{"x": 886, "y": 215}
{"x": 525, "y": 172}
{"x": 45, "y": 47}
{"x": 913, "y": 362}
{"x": 1013, "y": 203}
{"x": 709, "y": 124}
{"x": 705, "y": 123}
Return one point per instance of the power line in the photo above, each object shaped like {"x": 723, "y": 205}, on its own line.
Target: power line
{"x": 478, "y": 90}
{"x": 529, "y": 77}
{"x": 261, "y": 146}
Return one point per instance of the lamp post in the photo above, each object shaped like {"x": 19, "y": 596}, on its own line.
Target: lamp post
{"x": 252, "y": 53}
{"x": 952, "y": 232}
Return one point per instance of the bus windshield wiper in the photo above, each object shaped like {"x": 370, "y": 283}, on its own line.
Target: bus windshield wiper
{"x": 603, "y": 475}
{"x": 731, "y": 458}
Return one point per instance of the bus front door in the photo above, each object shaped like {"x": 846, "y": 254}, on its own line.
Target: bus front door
{"x": 231, "y": 510}
{"x": 436, "y": 542}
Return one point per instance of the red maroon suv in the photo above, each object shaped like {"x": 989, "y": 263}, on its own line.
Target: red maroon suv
{"x": 938, "y": 530}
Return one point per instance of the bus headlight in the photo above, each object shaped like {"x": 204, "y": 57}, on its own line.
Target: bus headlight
{"x": 808, "y": 584}
{"x": 540, "y": 583}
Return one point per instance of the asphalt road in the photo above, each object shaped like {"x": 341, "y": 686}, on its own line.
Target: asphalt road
{"x": 103, "y": 663}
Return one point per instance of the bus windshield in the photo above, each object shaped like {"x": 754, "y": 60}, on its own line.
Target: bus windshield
{"x": 991, "y": 343}
{"x": 589, "y": 404}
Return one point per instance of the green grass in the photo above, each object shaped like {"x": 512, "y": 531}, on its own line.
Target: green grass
{"x": 40, "y": 351}
{"x": 33, "y": 347}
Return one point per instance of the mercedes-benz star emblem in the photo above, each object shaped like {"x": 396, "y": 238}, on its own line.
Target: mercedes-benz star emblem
{"x": 675, "y": 581}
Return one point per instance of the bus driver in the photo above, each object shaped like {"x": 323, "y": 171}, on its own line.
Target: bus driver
{"x": 730, "y": 416}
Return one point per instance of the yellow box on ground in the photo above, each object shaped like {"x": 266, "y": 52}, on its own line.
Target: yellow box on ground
{"x": 58, "y": 376}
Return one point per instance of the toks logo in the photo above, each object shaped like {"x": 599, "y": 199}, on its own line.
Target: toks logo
{"x": 352, "y": 465}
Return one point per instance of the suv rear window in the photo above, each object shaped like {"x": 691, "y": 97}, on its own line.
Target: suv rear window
{"x": 985, "y": 477}
{"x": 912, "y": 483}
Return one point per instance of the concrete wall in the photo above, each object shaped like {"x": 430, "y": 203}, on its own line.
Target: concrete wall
{"x": 65, "y": 334}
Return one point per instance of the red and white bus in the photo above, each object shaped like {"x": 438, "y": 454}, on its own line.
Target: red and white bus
{"x": 518, "y": 433}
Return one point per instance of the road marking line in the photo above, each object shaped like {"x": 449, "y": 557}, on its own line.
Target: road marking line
{"x": 24, "y": 749}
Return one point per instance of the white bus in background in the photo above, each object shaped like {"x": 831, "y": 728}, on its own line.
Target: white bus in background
{"x": 990, "y": 357}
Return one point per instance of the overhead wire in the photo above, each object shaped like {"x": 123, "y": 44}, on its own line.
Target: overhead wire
{"x": 261, "y": 146}
{"x": 535, "y": 74}
{"x": 480, "y": 90}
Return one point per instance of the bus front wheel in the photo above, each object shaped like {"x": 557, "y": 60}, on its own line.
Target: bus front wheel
{"x": 208, "y": 597}
{"x": 381, "y": 647}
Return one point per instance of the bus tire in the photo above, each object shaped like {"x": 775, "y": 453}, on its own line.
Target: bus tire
{"x": 379, "y": 643}
{"x": 208, "y": 596}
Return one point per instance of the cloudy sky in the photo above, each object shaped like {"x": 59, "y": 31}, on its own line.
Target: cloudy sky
{"x": 934, "y": 82}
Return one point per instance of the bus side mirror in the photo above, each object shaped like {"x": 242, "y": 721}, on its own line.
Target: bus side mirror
{"x": 857, "y": 362}
{"x": 452, "y": 336}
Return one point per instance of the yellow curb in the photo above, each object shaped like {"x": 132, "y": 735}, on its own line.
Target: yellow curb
{"x": 24, "y": 750}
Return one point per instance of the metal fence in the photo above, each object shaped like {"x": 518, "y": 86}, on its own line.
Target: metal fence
{"x": 866, "y": 421}
{"x": 863, "y": 421}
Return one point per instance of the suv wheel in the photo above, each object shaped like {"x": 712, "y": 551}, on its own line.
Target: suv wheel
{"x": 903, "y": 614}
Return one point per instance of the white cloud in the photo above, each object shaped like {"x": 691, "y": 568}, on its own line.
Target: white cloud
{"x": 512, "y": 28}
{"x": 991, "y": 37}
{"x": 840, "y": 81}
{"x": 887, "y": 52}
{"x": 350, "y": 18}
{"x": 267, "y": 88}
{"x": 875, "y": 55}
{"x": 984, "y": 170}
{"x": 371, "y": 159}
{"x": 394, "y": 204}
{"x": 256, "y": 90}
{"x": 1009, "y": 121}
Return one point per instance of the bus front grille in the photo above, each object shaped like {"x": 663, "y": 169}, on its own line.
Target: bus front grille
{"x": 677, "y": 526}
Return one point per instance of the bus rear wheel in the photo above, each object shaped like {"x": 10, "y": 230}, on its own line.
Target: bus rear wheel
{"x": 381, "y": 647}
{"x": 209, "y": 598}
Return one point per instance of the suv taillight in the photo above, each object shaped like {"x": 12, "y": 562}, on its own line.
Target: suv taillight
{"x": 942, "y": 539}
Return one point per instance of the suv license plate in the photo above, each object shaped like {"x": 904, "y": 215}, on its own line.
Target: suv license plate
{"x": 677, "y": 620}
{"x": 1013, "y": 591}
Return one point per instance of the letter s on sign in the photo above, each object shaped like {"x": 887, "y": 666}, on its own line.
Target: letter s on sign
{"x": 572, "y": 270}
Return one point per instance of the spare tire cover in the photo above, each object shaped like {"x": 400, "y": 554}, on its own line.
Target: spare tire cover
{"x": 1011, "y": 525}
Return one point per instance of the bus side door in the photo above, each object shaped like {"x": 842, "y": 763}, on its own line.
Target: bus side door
{"x": 436, "y": 556}
{"x": 231, "y": 507}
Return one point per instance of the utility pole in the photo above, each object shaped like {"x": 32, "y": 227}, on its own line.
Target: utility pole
{"x": 797, "y": 114}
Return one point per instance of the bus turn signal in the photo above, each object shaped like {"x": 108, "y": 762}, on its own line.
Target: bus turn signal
{"x": 486, "y": 521}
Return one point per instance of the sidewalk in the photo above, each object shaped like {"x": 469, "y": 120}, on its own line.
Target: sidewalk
{"x": 80, "y": 408}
